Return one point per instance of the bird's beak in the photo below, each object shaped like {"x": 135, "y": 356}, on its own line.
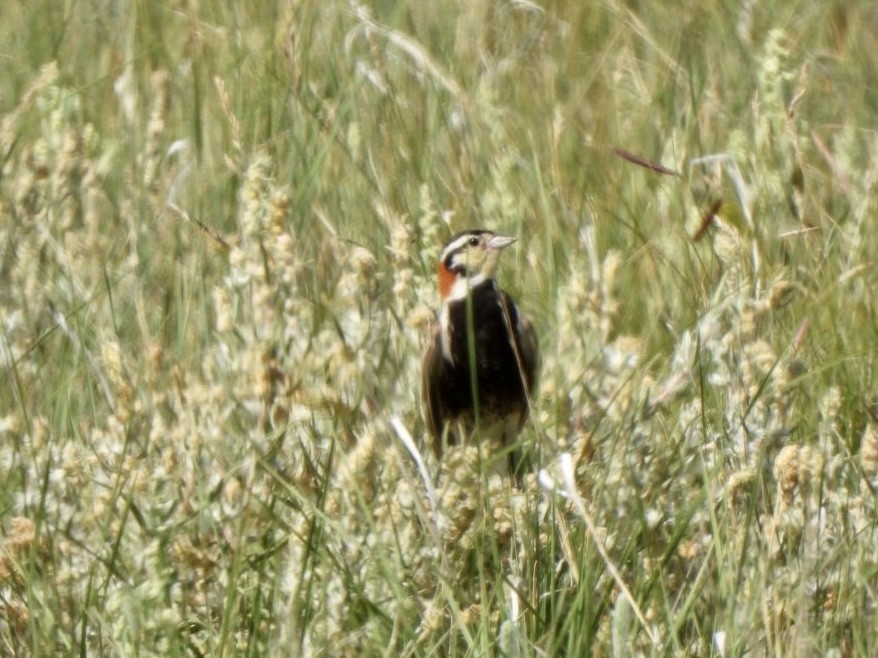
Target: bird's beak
{"x": 500, "y": 242}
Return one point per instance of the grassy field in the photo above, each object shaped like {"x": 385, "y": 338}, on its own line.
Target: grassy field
{"x": 218, "y": 232}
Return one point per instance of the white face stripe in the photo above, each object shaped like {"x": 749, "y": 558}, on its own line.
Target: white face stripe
{"x": 458, "y": 248}
{"x": 488, "y": 240}
{"x": 457, "y": 244}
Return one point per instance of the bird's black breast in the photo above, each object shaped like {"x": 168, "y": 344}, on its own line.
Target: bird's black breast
{"x": 498, "y": 381}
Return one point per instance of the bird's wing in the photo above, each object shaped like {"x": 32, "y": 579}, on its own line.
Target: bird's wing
{"x": 529, "y": 347}
{"x": 431, "y": 366}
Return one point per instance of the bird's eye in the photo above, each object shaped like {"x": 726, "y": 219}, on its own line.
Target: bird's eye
{"x": 473, "y": 242}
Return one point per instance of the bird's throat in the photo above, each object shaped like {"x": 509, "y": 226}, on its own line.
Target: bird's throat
{"x": 454, "y": 288}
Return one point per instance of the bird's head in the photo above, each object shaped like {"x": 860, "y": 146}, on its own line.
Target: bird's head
{"x": 468, "y": 259}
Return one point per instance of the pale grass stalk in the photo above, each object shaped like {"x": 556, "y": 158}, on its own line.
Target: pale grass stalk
{"x": 64, "y": 327}
{"x": 570, "y": 491}
{"x": 411, "y": 447}
{"x": 415, "y": 51}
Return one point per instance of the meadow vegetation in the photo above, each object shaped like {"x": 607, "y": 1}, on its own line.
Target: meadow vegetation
{"x": 218, "y": 231}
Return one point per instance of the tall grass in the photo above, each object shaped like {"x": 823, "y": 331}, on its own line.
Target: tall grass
{"x": 218, "y": 230}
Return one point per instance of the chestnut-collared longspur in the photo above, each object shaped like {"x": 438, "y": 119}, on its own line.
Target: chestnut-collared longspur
{"x": 481, "y": 361}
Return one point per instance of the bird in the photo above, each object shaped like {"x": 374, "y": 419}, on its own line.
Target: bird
{"x": 481, "y": 360}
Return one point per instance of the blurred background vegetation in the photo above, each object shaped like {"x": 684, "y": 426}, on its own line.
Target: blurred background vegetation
{"x": 218, "y": 230}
